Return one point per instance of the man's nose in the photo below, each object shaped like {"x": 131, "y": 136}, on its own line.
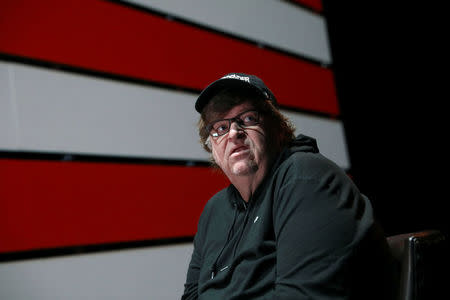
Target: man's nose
{"x": 235, "y": 131}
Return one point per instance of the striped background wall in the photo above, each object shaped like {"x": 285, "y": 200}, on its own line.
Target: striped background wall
{"x": 102, "y": 179}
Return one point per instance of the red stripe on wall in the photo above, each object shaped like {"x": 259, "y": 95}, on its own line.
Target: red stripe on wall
{"x": 109, "y": 37}
{"x": 313, "y": 4}
{"x": 45, "y": 204}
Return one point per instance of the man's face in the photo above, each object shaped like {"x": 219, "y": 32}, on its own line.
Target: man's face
{"x": 241, "y": 151}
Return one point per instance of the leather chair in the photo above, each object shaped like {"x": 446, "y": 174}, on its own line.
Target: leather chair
{"x": 421, "y": 259}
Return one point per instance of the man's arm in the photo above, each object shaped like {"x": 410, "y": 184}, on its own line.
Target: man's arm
{"x": 191, "y": 285}
{"x": 317, "y": 225}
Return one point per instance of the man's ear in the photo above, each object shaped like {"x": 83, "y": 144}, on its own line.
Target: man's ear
{"x": 207, "y": 144}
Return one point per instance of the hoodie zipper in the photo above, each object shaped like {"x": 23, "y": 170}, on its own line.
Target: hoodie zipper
{"x": 244, "y": 225}
{"x": 214, "y": 266}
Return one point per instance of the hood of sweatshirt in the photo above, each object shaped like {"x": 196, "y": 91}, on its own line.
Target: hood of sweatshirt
{"x": 302, "y": 143}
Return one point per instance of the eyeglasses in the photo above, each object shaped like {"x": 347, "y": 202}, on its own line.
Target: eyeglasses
{"x": 243, "y": 120}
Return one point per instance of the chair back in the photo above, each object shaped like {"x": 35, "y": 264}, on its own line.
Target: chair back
{"x": 421, "y": 258}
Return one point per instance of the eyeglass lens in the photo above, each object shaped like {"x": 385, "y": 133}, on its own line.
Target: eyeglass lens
{"x": 245, "y": 119}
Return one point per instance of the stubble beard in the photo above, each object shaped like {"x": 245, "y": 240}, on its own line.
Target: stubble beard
{"x": 244, "y": 168}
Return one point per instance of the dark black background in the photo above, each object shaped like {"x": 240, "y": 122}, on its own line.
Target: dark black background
{"x": 389, "y": 68}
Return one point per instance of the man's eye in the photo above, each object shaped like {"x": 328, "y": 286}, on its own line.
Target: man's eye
{"x": 250, "y": 119}
{"x": 221, "y": 128}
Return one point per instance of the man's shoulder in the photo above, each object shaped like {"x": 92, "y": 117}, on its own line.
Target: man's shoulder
{"x": 307, "y": 165}
{"x": 220, "y": 199}
{"x": 216, "y": 207}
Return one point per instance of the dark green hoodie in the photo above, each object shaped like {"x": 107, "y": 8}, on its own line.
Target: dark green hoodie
{"x": 306, "y": 233}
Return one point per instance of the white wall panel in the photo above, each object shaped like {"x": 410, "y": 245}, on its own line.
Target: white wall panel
{"x": 150, "y": 273}
{"x": 8, "y": 116}
{"x": 272, "y": 22}
{"x": 63, "y": 112}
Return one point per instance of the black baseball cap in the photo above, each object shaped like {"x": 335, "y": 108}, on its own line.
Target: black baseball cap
{"x": 239, "y": 80}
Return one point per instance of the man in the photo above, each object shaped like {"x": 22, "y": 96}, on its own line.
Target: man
{"x": 291, "y": 225}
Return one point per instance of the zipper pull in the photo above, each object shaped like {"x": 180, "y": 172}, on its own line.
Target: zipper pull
{"x": 213, "y": 271}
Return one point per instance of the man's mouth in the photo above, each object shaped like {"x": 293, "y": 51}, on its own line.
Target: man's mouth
{"x": 239, "y": 149}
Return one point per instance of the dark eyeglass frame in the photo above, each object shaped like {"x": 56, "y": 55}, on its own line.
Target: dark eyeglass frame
{"x": 240, "y": 122}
